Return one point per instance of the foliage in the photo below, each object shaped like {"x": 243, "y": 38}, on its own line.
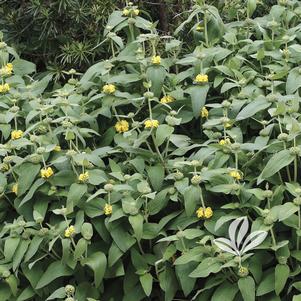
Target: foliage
{"x": 128, "y": 175}
{"x": 56, "y": 34}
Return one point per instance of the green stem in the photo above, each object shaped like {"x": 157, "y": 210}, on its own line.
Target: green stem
{"x": 273, "y": 237}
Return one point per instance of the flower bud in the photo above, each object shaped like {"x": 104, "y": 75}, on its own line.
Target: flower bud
{"x": 295, "y": 151}
{"x": 297, "y": 201}
{"x": 282, "y": 137}
{"x": 243, "y": 272}
{"x": 178, "y": 176}
{"x": 41, "y": 150}
{"x": 268, "y": 194}
{"x": 196, "y": 180}
{"x": 108, "y": 187}
{"x": 69, "y": 289}
{"x": 226, "y": 104}
{"x": 148, "y": 95}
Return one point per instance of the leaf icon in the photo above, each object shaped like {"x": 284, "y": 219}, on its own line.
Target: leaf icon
{"x": 239, "y": 244}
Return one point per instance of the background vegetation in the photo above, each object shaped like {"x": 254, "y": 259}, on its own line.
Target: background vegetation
{"x": 130, "y": 173}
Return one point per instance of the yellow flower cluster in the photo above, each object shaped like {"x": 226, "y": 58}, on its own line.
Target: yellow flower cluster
{"x": 126, "y": 12}
{"x": 69, "y": 231}
{"x": 57, "y": 148}
{"x": 83, "y": 177}
{"x": 121, "y": 126}
{"x": 167, "y": 99}
{"x": 204, "y": 112}
{"x": 16, "y": 134}
{"x": 205, "y": 213}
{"x": 46, "y": 172}
{"x": 156, "y": 60}
{"x": 4, "y": 88}
{"x": 107, "y": 209}
{"x": 224, "y": 141}
{"x": 109, "y": 89}
{"x": 201, "y": 78}
{"x": 235, "y": 174}
{"x": 15, "y": 188}
{"x": 151, "y": 123}
{"x": 6, "y": 70}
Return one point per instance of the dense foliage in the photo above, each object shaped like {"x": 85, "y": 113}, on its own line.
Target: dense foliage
{"x": 61, "y": 34}
{"x": 120, "y": 184}
{"x": 56, "y": 34}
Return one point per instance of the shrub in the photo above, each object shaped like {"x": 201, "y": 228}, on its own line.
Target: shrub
{"x": 122, "y": 183}
{"x": 56, "y": 34}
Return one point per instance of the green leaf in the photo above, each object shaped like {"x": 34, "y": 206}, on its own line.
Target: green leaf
{"x": 293, "y": 82}
{"x": 10, "y": 247}
{"x": 13, "y": 284}
{"x": 98, "y": 263}
{"x": 163, "y": 132}
{"x": 57, "y": 294}
{"x": 267, "y": 284}
{"x": 20, "y": 252}
{"x": 251, "y": 7}
{"x": 198, "y": 96}
{"x": 191, "y": 199}
{"x": 281, "y": 275}
{"x": 75, "y": 194}
{"x": 156, "y": 74}
{"x": 206, "y": 267}
{"x": 80, "y": 249}
{"x": 146, "y": 281}
{"x": 22, "y": 67}
{"x": 225, "y": 291}
{"x": 156, "y": 175}
{"x": 55, "y": 270}
{"x": 276, "y": 163}
{"x": 27, "y": 173}
{"x": 26, "y": 294}
{"x": 136, "y": 222}
{"x": 252, "y": 108}
{"x": 87, "y": 231}
{"x": 32, "y": 190}
{"x": 247, "y": 288}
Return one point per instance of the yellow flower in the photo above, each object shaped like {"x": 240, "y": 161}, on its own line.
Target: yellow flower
{"x": 200, "y": 212}
{"x": 4, "y": 88}
{"x": 199, "y": 27}
{"x": 167, "y": 99}
{"x": 15, "y": 188}
{"x": 126, "y": 12}
{"x": 69, "y": 231}
{"x": 7, "y": 69}
{"x": 46, "y": 172}
{"x": 83, "y": 177}
{"x": 57, "y": 148}
{"x": 16, "y": 134}
{"x": 109, "y": 89}
{"x": 107, "y": 209}
{"x": 151, "y": 123}
{"x": 224, "y": 141}
{"x": 206, "y": 213}
{"x": 122, "y": 126}
{"x": 201, "y": 78}
{"x": 204, "y": 112}
{"x": 227, "y": 125}
{"x": 136, "y": 12}
{"x": 156, "y": 60}
{"x": 235, "y": 174}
